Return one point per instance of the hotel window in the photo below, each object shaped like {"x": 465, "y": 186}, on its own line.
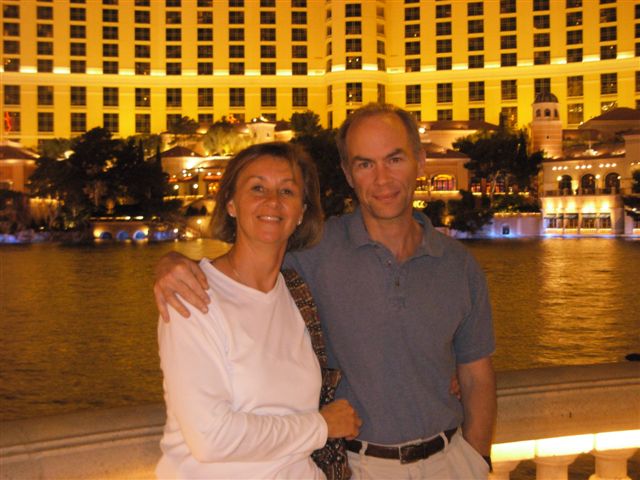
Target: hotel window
{"x": 354, "y": 92}
{"x": 352, "y": 10}
{"x": 355, "y": 45}
{"x": 412, "y": 31}
{"x": 573, "y": 3}
{"x": 236, "y": 3}
{"x": 267, "y": 97}
{"x": 267, "y": 68}
{"x": 268, "y": 3}
{"x": 236, "y": 34}
{"x": 174, "y": 97}
{"x": 236, "y": 97}
{"x": 574, "y": 19}
{"x": 445, "y": 114}
{"x": 173, "y": 18}
{"x": 575, "y": 113}
{"x": 476, "y": 61}
{"x": 110, "y": 96}
{"x": 575, "y": 86}
{"x": 13, "y": 123}
{"x": 329, "y": 94}
{"x": 268, "y": 18}
{"x": 77, "y": 14}
{"x": 412, "y": 48}
{"x": 508, "y": 24}
{"x": 608, "y": 15}
{"x": 509, "y": 89}
{"x": 507, "y": 6}
{"x": 11, "y": 64}
{"x": 78, "y": 122}
{"x": 299, "y": 18}
{"x": 78, "y": 66}
{"x": 44, "y": 13}
{"x": 476, "y": 91}
{"x": 443, "y": 28}
{"x": 574, "y": 37}
{"x": 476, "y": 114}
{"x": 299, "y": 68}
{"x": 299, "y": 97}
{"x": 412, "y": 94}
{"x": 173, "y": 34}
{"x": 173, "y": 51}
{"x": 110, "y": 67}
{"x": 143, "y": 123}
{"x": 637, "y": 82}
{"x": 111, "y": 122}
{"x": 442, "y": 11}
{"x": 110, "y": 15}
{"x": 104, "y": 2}
{"x": 45, "y": 66}
{"x": 541, "y": 39}
{"x": 110, "y": 33}
{"x": 109, "y": 49}
{"x": 268, "y": 34}
{"x": 174, "y": 68}
{"x": 475, "y": 44}
{"x": 45, "y": 122}
{"x": 299, "y": 3}
{"x": 608, "y": 52}
{"x": 11, "y": 11}
{"x": 353, "y": 27}
{"x": 44, "y": 30}
{"x": 412, "y": 65}
{"x": 44, "y": 48}
{"x": 608, "y": 34}
{"x": 412, "y": 13}
{"x": 142, "y": 16}
{"x": 508, "y": 60}
{"x": 11, "y": 29}
{"x": 11, "y": 47}
{"x": 444, "y": 63}
{"x": 205, "y": 97}
{"x": 475, "y": 9}
{"x": 354, "y": 63}
{"x": 143, "y": 68}
{"x": 541, "y": 85}
{"x": 475, "y": 26}
{"x": 299, "y": 34}
{"x": 574, "y": 55}
{"x": 11, "y": 94}
{"x": 444, "y": 92}
{"x": 299, "y": 51}
{"x": 541, "y": 22}
{"x": 205, "y": 51}
{"x": 382, "y": 64}
{"x": 267, "y": 51}
{"x": 205, "y": 18}
{"x": 608, "y": 83}
{"x": 236, "y": 51}
{"x": 205, "y": 119}
{"x": 77, "y": 31}
{"x": 235, "y": 17}
{"x": 173, "y": 121}
{"x": 236, "y": 68}
{"x": 205, "y": 68}
{"x": 508, "y": 42}
{"x": 205, "y": 34}
{"x": 78, "y": 49}
{"x": 539, "y": 5}
{"x": 143, "y": 97}
{"x": 143, "y": 51}
{"x": 542, "y": 58}
{"x": 443, "y": 46}
{"x": 509, "y": 115}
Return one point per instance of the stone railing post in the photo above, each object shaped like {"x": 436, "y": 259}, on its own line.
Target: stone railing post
{"x": 553, "y": 468}
{"x": 501, "y": 470}
{"x": 612, "y": 464}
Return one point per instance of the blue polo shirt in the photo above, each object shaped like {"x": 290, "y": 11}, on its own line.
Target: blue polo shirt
{"x": 397, "y": 330}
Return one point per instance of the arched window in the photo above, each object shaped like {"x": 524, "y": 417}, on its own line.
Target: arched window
{"x": 588, "y": 184}
{"x": 500, "y": 185}
{"x": 612, "y": 183}
{"x": 555, "y": 112}
{"x": 443, "y": 183}
{"x": 538, "y": 112}
{"x": 564, "y": 185}
{"x": 475, "y": 185}
{"x": 547, "y": 112}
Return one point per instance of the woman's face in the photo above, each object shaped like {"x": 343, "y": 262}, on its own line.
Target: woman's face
{"x": 268, "y": 201}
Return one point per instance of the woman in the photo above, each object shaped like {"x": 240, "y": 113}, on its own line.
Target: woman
{"x": 242, "y": 382}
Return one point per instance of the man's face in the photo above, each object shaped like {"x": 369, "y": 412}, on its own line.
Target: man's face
{"x": 382, "y": 167}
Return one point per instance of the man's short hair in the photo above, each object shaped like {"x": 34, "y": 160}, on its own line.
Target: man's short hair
{"x": 309, "y": 231}
{"x": 375, "y": 109}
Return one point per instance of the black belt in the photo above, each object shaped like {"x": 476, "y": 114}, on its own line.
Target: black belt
{"x": 407, "y": 453}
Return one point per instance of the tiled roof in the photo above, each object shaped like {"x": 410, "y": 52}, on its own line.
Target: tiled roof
{"x": 13, "y": 153}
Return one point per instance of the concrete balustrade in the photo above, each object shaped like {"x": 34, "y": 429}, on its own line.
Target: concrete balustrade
{"x": 548, "y": 415}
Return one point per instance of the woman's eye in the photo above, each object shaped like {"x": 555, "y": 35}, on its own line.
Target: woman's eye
{"x": 287, "y": 192}
{"x": 257, "y": 188}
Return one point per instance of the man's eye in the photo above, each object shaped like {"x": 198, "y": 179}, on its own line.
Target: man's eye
{"x": 364, "y": 164}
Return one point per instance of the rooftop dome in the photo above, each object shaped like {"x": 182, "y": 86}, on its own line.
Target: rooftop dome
{"x": 546, "y": 97}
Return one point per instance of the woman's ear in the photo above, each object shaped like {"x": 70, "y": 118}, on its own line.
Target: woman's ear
{"x": 231, "y": 209}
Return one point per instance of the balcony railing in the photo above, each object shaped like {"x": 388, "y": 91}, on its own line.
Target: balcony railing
{"x": 548, "y": 415}
{"x": 563, "y": 192}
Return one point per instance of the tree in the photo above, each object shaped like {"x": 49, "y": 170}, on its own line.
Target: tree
{"x": 305, "y": 123}
{"x": 224, "y": 138}
{"x": 635, "y": 187}
{"x": 469, "y": 214}
{"x": 55, "y": 147}
{"x": 435, "y": 210}
{"x": 183, "y": 129}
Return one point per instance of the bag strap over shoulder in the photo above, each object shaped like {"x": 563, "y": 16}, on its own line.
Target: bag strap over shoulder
{"x": 302, "y": 296}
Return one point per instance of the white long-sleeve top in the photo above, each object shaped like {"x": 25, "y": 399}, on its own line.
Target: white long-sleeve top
{"x": 241, "y": 386}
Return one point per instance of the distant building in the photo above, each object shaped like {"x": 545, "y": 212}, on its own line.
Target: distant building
{"x": 16, "y": 166}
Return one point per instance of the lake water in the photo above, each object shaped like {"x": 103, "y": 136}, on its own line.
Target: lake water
{"x": 79, "y": 323}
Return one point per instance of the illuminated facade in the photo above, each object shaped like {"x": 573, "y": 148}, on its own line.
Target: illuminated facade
{"x": 136, "y": 66}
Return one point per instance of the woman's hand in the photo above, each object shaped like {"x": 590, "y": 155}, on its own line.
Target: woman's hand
{"x": 177, "y": 274}
{"x": 342, "y": 420}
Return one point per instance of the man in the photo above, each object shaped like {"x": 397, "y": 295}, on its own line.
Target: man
{"x": 403, "y": 308}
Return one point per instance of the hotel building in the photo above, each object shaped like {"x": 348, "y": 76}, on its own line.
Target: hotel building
{"x": 137, "y": 66}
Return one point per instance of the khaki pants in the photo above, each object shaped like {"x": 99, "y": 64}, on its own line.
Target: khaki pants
{"x": 458, "y": 460}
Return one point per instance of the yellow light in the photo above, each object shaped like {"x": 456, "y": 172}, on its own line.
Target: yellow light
{"x": 551, "y": 447}
{"x": 617, "y": 440}
{"x": 504, "y": 452}
{"x": 96, "y": 233}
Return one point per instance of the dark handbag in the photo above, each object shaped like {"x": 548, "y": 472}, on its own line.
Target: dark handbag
{"x": 332, "y": 458}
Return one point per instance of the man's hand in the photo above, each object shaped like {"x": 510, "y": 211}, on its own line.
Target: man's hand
{"x": 342, "y": 420}
{"x": 177, "y": 274}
